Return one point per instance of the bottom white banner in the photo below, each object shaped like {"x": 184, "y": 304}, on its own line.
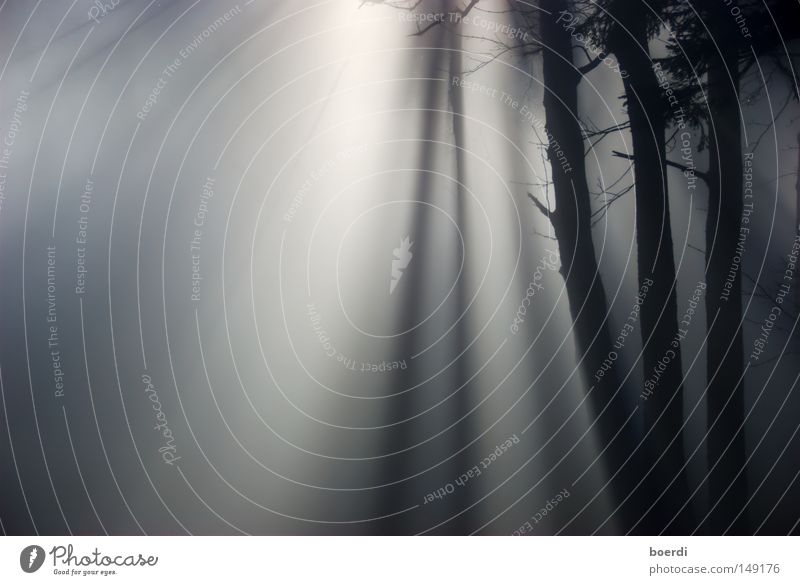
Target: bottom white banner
{"x": 401, "y": 560}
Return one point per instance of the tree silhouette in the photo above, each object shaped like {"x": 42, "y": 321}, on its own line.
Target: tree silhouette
{"x": 625, "y": 28}
{"x": 710, "y": 54}
{"x": 572, "y": 225}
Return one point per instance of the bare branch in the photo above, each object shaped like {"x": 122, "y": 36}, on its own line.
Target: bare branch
{"x": 542, "y": 208}
{"x": 583, "y": 70}
{"x": 670, "y": 163}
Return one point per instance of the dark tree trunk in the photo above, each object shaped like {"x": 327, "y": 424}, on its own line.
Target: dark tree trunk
{"x": 572, "y": 226}
{"x": 399, "y": 439}
{"x": 666, "y": 485}
{"x": 725, "y": 359}
{"x": 465, "y": 431}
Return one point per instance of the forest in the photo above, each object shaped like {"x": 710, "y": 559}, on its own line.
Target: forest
{"x": 400, "y": 267}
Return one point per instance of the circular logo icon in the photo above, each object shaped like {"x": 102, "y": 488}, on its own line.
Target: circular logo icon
{"x": 31, "y": 558}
